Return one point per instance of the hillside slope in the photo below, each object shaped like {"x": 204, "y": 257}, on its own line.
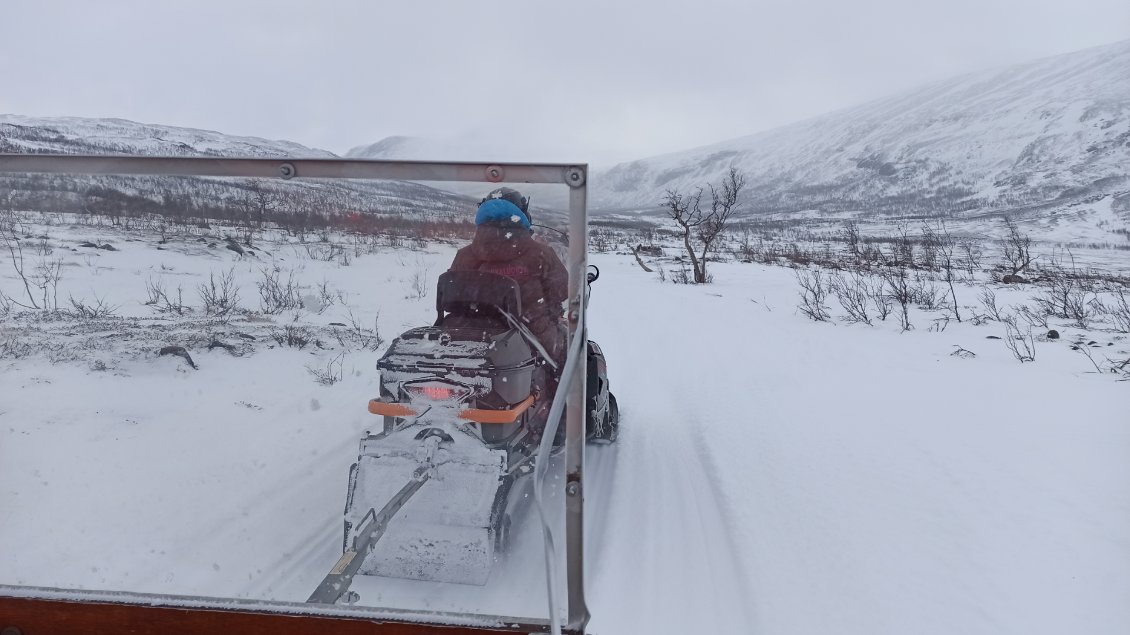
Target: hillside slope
{"x": 1046, "y": 133}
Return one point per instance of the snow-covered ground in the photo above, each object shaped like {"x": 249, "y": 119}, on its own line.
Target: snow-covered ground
{"x": 773, "y": 475}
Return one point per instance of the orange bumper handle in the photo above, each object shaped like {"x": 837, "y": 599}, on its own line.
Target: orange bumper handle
{"x": 387, "y": 409}
{"x": 498, "y": 416}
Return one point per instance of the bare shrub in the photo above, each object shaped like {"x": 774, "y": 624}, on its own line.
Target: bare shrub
{"x": 93, "y": 310}
{"x": 44, "y": 276}
{"x": 1118, "y": 310}
{"x": 682, "y": 275}
{"x": 158, "y": 298}
{"x": 419, "y": 283}
{"x": 854, "y": 296}
{"x": 326, "y": 297}
{"x": 970, "y": 260}
{"x": 1033, "y": 318}
{"x": 1067, "y": 297}
{"x": 292, "y": 336}
{"x": 15, "y": 349}
{"x": 883, "y": 302}
{"x": 331, "y": 373}
{"x": 926, "y": 294}
{"x": 900, "y": 290}
{"x": 276, "y": 295}
{"x": 1022, "y": 344}
{"x": 944, "y": 248}
{"x": 366, "y": 338}
{"x": 851, "y": 237}
{"x": 1016, "y": 248}
{"x": 813, "y": 294}
{"x": 220, "y": 297}
{"x": 988, "y": 299}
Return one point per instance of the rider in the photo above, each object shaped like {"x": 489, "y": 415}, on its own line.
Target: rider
{"x": 504, "y": 244}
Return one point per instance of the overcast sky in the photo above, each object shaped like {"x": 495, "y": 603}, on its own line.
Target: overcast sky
{"x": 519, "y": 80}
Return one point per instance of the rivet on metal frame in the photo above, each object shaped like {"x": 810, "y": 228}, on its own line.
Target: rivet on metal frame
{"x": 574, "y": 176}
{"x": 495, "y": 173}
{"x": 287, "y": 171}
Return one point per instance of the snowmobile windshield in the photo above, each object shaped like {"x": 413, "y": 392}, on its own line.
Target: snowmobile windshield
{"x": 211, "y": 365}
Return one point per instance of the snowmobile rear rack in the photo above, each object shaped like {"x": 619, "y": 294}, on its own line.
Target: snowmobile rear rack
{"x": 66, "y": 611}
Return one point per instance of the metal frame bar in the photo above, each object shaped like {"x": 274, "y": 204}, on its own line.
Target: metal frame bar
{"x": 574, "y": 176}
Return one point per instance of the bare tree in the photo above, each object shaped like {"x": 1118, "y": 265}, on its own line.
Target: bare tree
{"x": 1016, "y": 247}
{"x": 943, "y": 247}
{"x": 901, "y": 291}
{"x": 851, "y": 237}
{"x": 1022, "y": 344}
{"x": 1118, "y": 310}
{"x": 988, "y": 299}
{"x": 854, "y": 296}
{"x": 701, "y": 229}
{"x": 813, "y": 293}
{"x": 220, "y": 297}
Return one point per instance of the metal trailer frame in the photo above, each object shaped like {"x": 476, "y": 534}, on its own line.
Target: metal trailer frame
{"x": 139, "y": 609}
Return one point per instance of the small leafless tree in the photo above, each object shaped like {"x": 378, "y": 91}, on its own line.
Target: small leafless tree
{"x": 944, "y": 248}
{"x": 883, "y": 302}
{"x": 701, "y": 229}
{"x": 331, "y": 374}
{"x": 220, "y": 297}
{"x": 1067, "y": 297}
{"x": 366, "y": 338}
{"x": 971, "y": 253}
{"x": 292, "y": 336}
{"x": 97, "y": 309}
{"x": 1016, "y": 247}
{"x": 851, "y": 237}
{"x": 420, "y": 282}
{"x": 988, "y": 299}
{"x": 926, "y": 294}
{"x": 1022, "y": 344}
{"x": 854, "y": 295}
{"x": 813, "y": 294}
{"x": 277, "y": 295}
{"x": 44, "y": 276}
{"x": 900, "y": 289}
{"x": 1118, "y": 309}
{"x": 162, "y": 301}
{"x": 1033, "y": 318}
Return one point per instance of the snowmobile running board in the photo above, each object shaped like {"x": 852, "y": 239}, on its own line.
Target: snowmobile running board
{"x": 337, "y": 581}
{"x": 65, "y": 611}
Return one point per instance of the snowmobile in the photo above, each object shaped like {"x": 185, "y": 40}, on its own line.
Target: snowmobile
{"x": 464, "y": 403}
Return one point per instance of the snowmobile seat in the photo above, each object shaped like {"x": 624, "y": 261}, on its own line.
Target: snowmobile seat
{"x": 475, "y": 294}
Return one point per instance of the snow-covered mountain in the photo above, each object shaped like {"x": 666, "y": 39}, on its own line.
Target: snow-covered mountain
{"x": 547, "y": 200}
{"x": 72, "y": 135}
{"x": 402, "y": 148}
{"x": 1042, "y": 134}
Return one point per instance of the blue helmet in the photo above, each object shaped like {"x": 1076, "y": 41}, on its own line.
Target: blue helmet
{"x": 504, "y": 206}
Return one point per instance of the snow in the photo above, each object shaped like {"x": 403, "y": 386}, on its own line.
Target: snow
{"x": 1013, "y": 139}
{"x": 773, "y": 475}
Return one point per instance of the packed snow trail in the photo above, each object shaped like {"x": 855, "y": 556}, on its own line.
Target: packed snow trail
{"x": 871, "y": 483}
